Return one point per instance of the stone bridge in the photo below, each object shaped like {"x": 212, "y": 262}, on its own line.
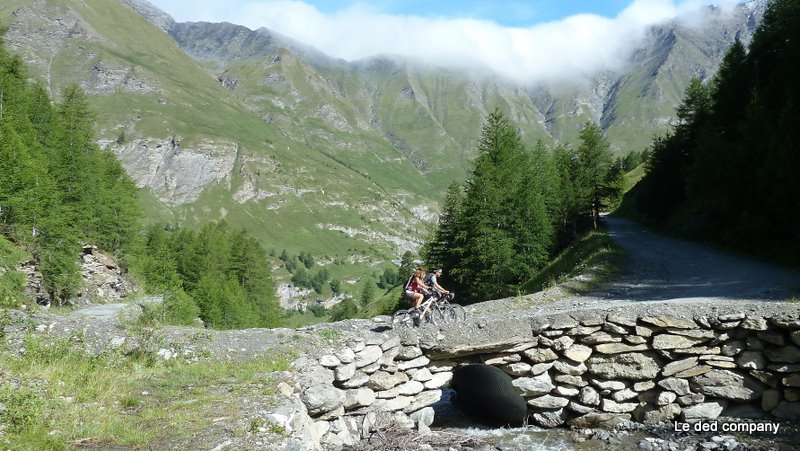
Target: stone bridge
{"x": 587, "y": 368}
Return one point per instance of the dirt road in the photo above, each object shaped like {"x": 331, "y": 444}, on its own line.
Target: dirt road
{"x": 662, "y": 268}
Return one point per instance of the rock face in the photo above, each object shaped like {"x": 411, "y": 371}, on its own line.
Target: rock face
{"x": 174, "y": 174}
{"x": 565, "y": 372}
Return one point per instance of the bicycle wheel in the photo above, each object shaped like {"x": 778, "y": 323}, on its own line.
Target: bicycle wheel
{"x": 430, "y": 315}
{"x": 402, "y": 318}
{"x": 457, "y": 311}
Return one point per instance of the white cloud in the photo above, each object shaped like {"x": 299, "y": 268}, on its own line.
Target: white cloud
{"x": 574, "y": 47}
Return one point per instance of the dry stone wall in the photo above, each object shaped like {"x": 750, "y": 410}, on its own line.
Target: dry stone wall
{"x": 596, "y": 370}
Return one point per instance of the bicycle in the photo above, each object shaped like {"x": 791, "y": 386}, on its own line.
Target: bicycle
{"x": 448, "y": 311}
{"x": 412, "y": 317}
{"x": 435, "y": 308}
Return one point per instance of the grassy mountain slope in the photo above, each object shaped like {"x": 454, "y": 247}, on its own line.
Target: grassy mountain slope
{"x": 309, "y": 153}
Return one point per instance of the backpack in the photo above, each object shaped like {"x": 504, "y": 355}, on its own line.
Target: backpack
{"x": 428, "y": 280}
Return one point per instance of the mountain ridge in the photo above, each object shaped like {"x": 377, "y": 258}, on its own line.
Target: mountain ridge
{"x": 310, "y": 152}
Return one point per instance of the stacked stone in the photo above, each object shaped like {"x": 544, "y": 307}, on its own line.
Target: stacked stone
{"x": 589, "y": 371}
{"x": 598, "y": 372}
{"x": 371, "y": 384}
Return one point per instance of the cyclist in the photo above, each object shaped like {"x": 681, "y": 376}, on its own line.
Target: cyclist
{"x": 415, "y": 289}
{"x": 432, "y": 281}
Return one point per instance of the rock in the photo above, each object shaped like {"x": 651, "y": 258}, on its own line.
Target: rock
{"x": 697, "y": 350}
{"x": 439, "y": 366}
{"x": 537, "y": 385}
{"x": 344, "y": 372}
{"x": 632, "y": 366}
{"x": 602, "y": 420}
{"x": 360, "y": 397}
{"x": 796, "y": 337}
{"x": 733, "y": 348}
{"x": 563, "y": 322}
{"x": 396, "y": 403}
{"x": 773, "y": 337}
{"x": 691, "y": 399}
{"x": 608, "y": 405}
{"x": 644, "y": 331}
{"x": 615, "y": 329}
{"x": 634, "y": 339}
{"x": 669, "y": 321}
{"x": 581, "y": 331}
{"x": 391, "y": 343}
{"x": 423, "y": 416}
{"x": 673, "y": 384}
{"x": 678, "y": 365}
{"x": 538, "y": 355}
{"x": 550, "y": 419}
{"x": 624, "y": 395}
{"x": 540, "y": 368}
{"x": 669, "y": 341}
{"x": 566, "y": 391}
{"x": 753, "y": 360}
{"x": 666, "y": 397}
{"x": 609, "y": 385}
{"x": 728, "y": 385}
{"x": 784, "y": 367}
{"x": 770, "y": 399}
{"x": 438, "y": 380}
{"x": 565, "y": 368}
{"x": 785, "y": 354}
{"x": 704, "y": 411}
{"x": 786, "y": 321}
{"x": 755, "y": 344}
{"x": 617, "y": 348}
{"x": 548, "y": 402}
{"x": 644, "y": 386}
{"x": 329, "y": 361}
{"x": 421, "y": 374}
{"x": 415, "y": 363}
{"x": 791, "y": 394}
{"x": 765, "y": 377}
{"x": 517, "y": 369}
{"x": 346, "y": 355}
{"x": 792, "y": 380}
{"x": 600, "y": 338}
{"x": 409, "y": 353}
{"x": 367, "y": 356}
{"x": 692, "y": 333}
{"x": 409, "y": 388}
{"x": 575, "y": 381}
{"x": 424, "y": 399}
{"x": 562, "y": 343}
{"x": 502, "y": 359}
{"x": 579, "y": 408}
{"x": 696, "y": 371}
{"x": 664, "y": 413}
{"x": 754, "y": 323}
{"x": 622, "y": 318}
{"x": 589, "y": 396}
{"x": 356, "y": 381}
{"x": 322, "y": 398}
{"x": 721, "y": 364}
{"x": 382, "y": 380}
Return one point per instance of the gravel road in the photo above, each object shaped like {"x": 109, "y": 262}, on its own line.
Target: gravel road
{"x": 669, "y": 275}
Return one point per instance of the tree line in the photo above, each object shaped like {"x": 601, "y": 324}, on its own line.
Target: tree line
{"x": 59, "y": 190}
{"x": 519, "y": 207}
{"x": 728, "y": 170}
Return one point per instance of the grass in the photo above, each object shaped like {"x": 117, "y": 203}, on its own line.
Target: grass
{"x": 66, "y": 398}
{"x": 594, "y": 253}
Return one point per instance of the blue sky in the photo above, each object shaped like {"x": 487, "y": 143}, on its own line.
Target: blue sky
{"x": 526, "y": 41}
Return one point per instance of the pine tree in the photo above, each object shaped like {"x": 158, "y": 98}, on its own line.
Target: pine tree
{"x": 593, "y": 161}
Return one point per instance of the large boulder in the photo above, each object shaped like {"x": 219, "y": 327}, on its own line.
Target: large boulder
{"x": 487, "y": 393}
